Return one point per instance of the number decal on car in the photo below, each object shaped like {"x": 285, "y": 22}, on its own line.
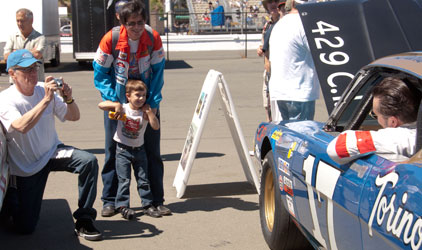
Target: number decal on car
{"x": 325, "y": 184}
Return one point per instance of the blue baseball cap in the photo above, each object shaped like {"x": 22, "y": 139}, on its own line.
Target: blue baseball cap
{"x": 22, "y": 58}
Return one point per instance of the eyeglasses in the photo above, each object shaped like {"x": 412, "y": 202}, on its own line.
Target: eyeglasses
{"x": 28, "y": 69}
{"x": 373, "y": 115}
{"x": 132, "y": 24}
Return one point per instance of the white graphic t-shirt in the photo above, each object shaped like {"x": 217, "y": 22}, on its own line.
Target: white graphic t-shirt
{"x": 131, "y": 131}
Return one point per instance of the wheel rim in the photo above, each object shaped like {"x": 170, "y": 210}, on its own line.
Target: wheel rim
{"x": 269, "y": 202}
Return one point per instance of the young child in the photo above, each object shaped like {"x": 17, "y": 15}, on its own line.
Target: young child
{"x": 133, "y": 119}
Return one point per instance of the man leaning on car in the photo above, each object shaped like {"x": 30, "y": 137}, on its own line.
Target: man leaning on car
{"x": 395, "y": 107}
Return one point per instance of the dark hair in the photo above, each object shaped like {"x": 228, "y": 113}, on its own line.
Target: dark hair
{"x": 265, "y": 2}
{"x": 397, "y": 99}
{"x": 135, "y": 85}
{"x": 133, "y": 7}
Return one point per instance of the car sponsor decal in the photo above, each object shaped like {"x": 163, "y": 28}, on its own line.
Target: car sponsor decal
{"x": 280, "y": 183}
{"x": 303, "y": 148}
{"x": 276, "y": 135}
{"x": 290, "y": 205}
{"x": 359, "y": 169}
{"x": 283, "y": 166}
{"x": 399, "y": 221}
{"x": 292, "y": 148}
{"x": 261, "y": 133}
{"x": 288, "y": 185}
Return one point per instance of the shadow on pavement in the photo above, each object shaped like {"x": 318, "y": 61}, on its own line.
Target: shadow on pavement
{"x": 69, "y": 67}
{"x": 219, "y": 189}
{"x": 123, "y": 229}
{"x": 55, "y": 230}
{"x": 176, "y": 156}
{"x": 177, "y": 64}
{"x": 210, "y": 204}
{"x": 166, "y": 157}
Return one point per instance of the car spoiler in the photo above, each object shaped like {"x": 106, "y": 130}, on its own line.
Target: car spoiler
{"x": 345, "y": 35}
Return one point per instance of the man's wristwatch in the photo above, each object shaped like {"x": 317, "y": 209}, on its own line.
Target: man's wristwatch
{"x": 70, "y": 101}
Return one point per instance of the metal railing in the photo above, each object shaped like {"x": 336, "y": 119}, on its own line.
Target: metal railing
{"x": 200, "y": 23}
{"x": 195, "y": 24}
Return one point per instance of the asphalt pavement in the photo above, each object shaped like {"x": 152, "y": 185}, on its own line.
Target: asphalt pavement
{"x": 219, "y": 210}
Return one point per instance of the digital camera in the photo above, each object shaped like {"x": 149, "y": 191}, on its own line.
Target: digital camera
{"x": 59, "y": 82}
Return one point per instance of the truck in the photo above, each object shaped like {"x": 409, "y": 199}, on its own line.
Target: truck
{"x": 91, "y": 19}
{"x": 46, "y": 21}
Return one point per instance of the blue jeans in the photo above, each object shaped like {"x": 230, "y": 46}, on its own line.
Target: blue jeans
{"x": 125, "y": 158}
{"x": 292, "y": 110}
{"x": 24, "y": 201}
{"x": 108, "y": 173}
{"x": 155, "y": 163}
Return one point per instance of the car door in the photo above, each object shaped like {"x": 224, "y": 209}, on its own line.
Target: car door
{"x": 327, "y": 195}
{"x": 390, "y": 209}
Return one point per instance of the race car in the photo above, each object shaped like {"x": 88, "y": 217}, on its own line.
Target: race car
{"x": 370, "y": 203}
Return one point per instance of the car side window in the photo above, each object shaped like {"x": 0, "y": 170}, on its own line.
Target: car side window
{"x": 359, "y": 108}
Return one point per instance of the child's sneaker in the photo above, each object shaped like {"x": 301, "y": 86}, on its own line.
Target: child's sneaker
{"x": 127, "y": 213}
{"x": 85, "y": 228}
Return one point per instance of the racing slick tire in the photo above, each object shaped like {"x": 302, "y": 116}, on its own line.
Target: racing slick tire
{"x": 277, "y": 226}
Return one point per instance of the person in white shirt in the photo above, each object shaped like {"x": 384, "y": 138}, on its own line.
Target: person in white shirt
{"x": 27, "y": 111}
{"x": 395, "y": 107}
{"x": 294, "y": 84}
{"x": 27, "y": 38}
{"x": 133, "y": 118}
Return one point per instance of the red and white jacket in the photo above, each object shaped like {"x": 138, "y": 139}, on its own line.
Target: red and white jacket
{"x": 111, "y": 74}
{"x": 394, "y": 144}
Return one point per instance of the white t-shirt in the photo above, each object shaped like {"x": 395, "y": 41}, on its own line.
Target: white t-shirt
{"x": 30, "y": 152}
{"x": 131, "y": 132}
{"x": 293, "y": 74}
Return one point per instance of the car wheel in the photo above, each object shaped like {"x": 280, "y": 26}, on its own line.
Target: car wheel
{"x": 56, "y": 61}
{"x": 278, "y": 227}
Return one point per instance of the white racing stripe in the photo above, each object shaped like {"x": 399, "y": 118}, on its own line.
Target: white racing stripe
{"x": 308, "y": 165}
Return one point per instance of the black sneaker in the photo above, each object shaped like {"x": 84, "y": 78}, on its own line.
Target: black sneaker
{"x": 85, "y": 228}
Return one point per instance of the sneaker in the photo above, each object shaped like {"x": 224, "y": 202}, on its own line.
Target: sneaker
{"x": 163, "y": 210}
{"x": 127, "y": 213}
{"x": 108, "y": 211}
{"x": 85, "y": 228}
{"x": 152, "y": 211}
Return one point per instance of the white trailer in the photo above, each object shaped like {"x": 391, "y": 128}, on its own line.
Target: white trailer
{"x": 46, "y": 21}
